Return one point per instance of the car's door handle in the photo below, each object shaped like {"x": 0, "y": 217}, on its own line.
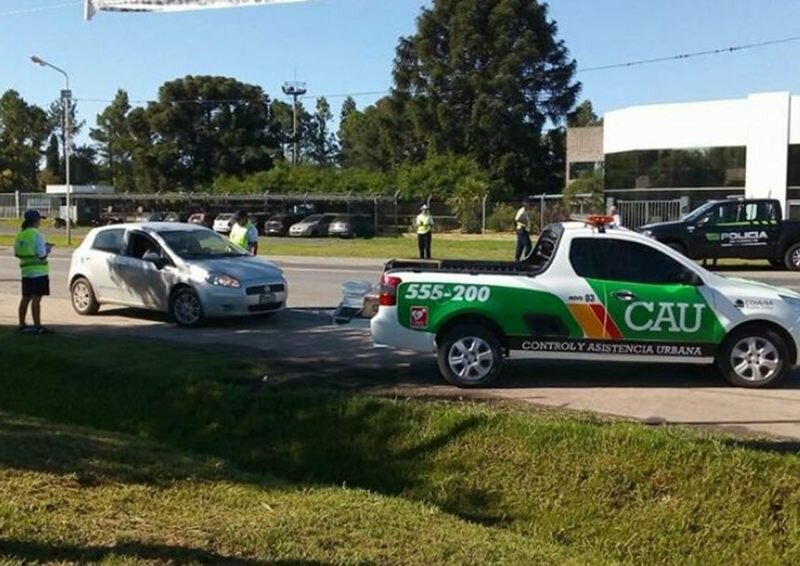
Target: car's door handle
{"x": 625, "y": 296}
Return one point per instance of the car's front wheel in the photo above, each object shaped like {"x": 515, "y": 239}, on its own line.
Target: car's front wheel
{"x": 83, "y": 298}
{"x": 185, "y": 307}
{"x": 470, "y": 356}
{"x": 754, "y": 356}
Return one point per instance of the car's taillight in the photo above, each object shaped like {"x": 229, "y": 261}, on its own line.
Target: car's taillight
{"x": 388, "y": 296}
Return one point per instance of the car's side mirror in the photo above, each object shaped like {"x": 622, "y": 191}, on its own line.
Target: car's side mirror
{"x": 155, "y": 259}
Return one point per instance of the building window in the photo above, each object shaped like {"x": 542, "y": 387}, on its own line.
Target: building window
{"x": 676, "y": 168}
{"x": 793, "y": 176}
{"x": 578, "y": 168}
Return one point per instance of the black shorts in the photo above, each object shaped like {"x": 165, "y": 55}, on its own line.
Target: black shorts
{"x": 36, "y": 286}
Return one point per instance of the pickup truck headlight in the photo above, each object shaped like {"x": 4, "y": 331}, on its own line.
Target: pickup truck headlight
{"x": 647, "y": 233}
{"x": 223, "y": 280}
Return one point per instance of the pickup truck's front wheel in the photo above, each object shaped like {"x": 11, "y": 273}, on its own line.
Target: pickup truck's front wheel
{"x": 792, "y": 258}
{"x": 470, "y": 356}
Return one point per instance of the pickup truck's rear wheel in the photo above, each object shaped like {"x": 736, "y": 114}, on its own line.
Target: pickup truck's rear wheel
{"x": 792, "y": 258}
{"x": 754, "y": 356}
{"x": 470, "y": 356}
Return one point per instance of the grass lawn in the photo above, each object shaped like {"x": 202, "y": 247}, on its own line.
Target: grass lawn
{"x": 181, "y": 454}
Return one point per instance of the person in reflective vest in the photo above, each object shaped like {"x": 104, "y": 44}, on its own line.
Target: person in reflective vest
{"x": 523, "y": 230}
{"x": 244, "y": 233}
{"x": 424, "y": 224}
{"x": 32, "y": 251}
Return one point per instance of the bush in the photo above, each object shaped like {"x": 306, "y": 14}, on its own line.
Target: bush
{"x": 467, "y": 203}
{"x": 502, "y": 218}
{"x": 589, "y": 183}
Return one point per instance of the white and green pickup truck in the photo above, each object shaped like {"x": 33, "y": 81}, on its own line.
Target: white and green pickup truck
{"x": 587, "y": 292}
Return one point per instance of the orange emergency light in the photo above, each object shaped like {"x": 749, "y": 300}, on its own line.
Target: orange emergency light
{"x": 599, "y": 221}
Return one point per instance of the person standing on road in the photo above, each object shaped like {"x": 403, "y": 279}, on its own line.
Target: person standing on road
{"x": 613, "y": 212}
{"x": 424, "y": 226}
{"x": 523, "y": 228}
{"x": 32, "y": 251}
{"x": 244, "y": 233}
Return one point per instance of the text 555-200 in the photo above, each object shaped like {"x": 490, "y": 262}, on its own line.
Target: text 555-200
{"x": 438, "y": 291}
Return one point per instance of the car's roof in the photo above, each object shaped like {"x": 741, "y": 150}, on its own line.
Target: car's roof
{"x": 156, "y": 227}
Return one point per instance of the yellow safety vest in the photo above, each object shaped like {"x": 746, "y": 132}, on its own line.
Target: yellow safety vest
{"x": 424, "y": 223}
{"x": 239, "y": 235}
{"x": 522, "y": 220}
{"x": 30, "y": 263}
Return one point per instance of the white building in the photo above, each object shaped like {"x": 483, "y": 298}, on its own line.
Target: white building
{"x": 697, "y": 151}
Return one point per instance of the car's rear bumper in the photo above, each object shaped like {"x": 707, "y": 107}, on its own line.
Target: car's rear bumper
{"x": 387, "y": 332}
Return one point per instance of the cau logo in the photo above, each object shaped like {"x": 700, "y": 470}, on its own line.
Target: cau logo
{"x": 658, "y": 317}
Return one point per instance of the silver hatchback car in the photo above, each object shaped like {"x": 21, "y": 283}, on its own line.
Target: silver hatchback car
{"x": 185, "y": 270}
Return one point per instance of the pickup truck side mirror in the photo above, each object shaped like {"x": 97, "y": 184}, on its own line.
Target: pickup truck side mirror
{"x": 155, "y": 259}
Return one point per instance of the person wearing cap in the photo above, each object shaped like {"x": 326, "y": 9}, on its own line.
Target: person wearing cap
{"x": 424, "y": 224}
{"x": 244, "y": 233}
{"x": 523, "y": 229}
{"x": 32, "y": 251}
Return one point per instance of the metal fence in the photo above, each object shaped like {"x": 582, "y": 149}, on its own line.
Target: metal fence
{"x": 390, "y": 214}
{"x": 637, "y": 213}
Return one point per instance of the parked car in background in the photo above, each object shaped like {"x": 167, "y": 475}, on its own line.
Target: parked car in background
{"x": 222, "y": 223}
{"x": 259, "y": 220}
{"x": 279, "y": 224}
{"x": 314, "y": 226}
{"x": 352, "y": 226}
{"x": 202, "y": 219}
{"x": 175, "y": 217}
{"x": 187, "y": 271}
{"x": 151, "y": 216}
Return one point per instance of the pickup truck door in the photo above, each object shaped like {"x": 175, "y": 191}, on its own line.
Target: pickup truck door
{"x": 747, "y": 229}
{"x": 649, "y": 297}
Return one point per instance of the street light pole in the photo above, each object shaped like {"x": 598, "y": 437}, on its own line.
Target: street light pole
{"x": 295, "y": 90}
{"x": 66, "y": 97}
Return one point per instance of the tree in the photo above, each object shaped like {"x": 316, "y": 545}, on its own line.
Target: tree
{"x": 348, "y": 107}
{"x": 481, "y": 78}
{"x": 374, "y": 139}
{"x": 114, "y": 143}
{"x": 202, "y": 127}
{"x": 583, "y": 116}
{"x": 323, "y": 147}
{"x": 52, "y": 157}
{"x": 586, "y": 190}
{"x": 56, "y": 116}
{"x": 281, "y": 117}
{"x": 24, "y": 128}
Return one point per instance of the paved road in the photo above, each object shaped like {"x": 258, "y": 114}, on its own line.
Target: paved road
{"x": 303, "y": 337}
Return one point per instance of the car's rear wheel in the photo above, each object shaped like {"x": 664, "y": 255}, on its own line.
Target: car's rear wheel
{"x": 185, "y": 307}
{"x": 754, "y": 356}
{"x": 83, "y": 298}
{"x": 470, "y": 356}
{"x": 792, "y": 258}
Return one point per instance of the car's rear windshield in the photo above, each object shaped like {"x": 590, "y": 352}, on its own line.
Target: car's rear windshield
{"x": 314, "y": 218}
{"x": 200, "y": 244}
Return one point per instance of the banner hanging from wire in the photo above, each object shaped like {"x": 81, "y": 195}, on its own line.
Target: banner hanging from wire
{"x": 94, "y": 6}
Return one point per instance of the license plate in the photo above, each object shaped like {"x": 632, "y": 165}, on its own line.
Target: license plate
{"x": 265, "y": 299}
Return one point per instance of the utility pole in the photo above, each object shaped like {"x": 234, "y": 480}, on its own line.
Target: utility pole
{"x": 66, "y": 97}
{"x": 295, "y": 89}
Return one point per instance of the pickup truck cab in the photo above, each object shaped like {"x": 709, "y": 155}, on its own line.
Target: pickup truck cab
{"x": 745, "y": 229}
{"x": 587, "y": 292}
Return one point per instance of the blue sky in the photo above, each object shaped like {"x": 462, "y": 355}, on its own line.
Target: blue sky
{"x": 343, "y": 46}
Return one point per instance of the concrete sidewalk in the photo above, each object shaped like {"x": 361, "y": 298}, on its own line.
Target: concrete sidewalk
{"x": 304, "y": 338}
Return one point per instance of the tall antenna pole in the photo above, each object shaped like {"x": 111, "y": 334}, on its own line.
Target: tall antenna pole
{"x": 295, "y": 89}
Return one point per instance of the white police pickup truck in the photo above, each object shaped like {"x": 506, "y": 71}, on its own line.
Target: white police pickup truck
{"x": 588, "y": 292}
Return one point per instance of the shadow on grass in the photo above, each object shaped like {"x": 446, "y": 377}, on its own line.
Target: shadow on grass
{"x": 44, "y": 552}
